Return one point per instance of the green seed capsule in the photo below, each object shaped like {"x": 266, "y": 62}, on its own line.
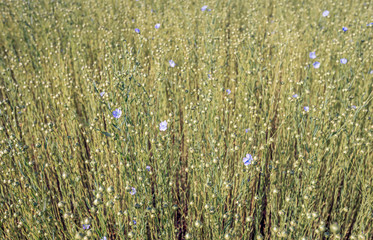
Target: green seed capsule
{"x": 61, "y": 204}
{"x": 79, "y": 236}
{"x": 198, "y": 224}
{"x": 87, "y": 221}
{"x": 99, "y": 195}
{"x": 361, "y": 237}
{"x": 110, "y": 189}
{"x": 334, "y": 228}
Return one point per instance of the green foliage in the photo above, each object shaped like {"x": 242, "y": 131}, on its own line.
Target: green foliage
{"x": 66, "y": 161}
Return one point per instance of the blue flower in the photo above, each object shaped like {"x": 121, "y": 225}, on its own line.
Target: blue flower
{"x": 312, "y": 55}
{"x": 247, "y": 130}
{"x": 228, "y": 91}
{"x": 316, "y": 64}
{"x": 104, "y": 238}
{"x": 158, "y": 25}
{"x": 325, "y": 13}
{"x": 134, "y": 222}
{"x": 353, "y": 106}
{"x": 163, "y": 126}
{"x": 248, "y": 159}
{"x": 117, "y": 113}
{"x": 209, "y": 75}
{"x": 204, "y": 8}
{"x": 148, "y": 168}
{"x": 133, "y": 191}
{"x": 306, "y": 108}
{"x": 137, "y": 30}
{"x": 371, "y": 72}
{"x": 172, "y": 63}
{"x": 295, "y": 96}
{"x": 343, "y": 60}
{"x": 370, "y": 24}
{"x": 102, "y": 94}
{"x": 344, "y": 29}
{"x": 86, "y": 226}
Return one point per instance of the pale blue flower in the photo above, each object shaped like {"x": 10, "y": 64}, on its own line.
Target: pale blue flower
{"x": 102, "y": 94}
{"x": 163, "y": 126}
{"x": 247, "y": 160}
{"x": 344, "y": 29}
{"x": 158, "y": 25}
{"x": 86, "y": 226}
{"x": 316, "y": 64}
{"x": 172, "y": 63}
{"x": 306, "y": 108}
{"x": 148, "y": 168}
{"x": 137, "y": 30}
{"x": 228, "y": 91}
{"x": 343, "y": 60}
{"x": 325, "y": 13}
{"x": 133, "y": 191}
{"x": 295, "y": 96}
{"x": 104, "y": 238}
{"x": 204, "y": 8}
{"x": 117, "y": 113}
{"x": 312, "y": 55}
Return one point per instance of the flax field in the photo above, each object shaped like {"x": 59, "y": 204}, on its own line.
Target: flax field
{"x": 169, "y": 119}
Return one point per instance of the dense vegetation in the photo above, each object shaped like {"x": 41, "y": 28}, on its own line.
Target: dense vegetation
{"x": 186, "y": 119}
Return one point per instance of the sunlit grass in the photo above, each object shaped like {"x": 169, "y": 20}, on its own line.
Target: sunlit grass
{"x": 143, "y": 133}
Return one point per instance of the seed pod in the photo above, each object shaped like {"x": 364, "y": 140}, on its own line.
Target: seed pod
{"x": 334, "y": 228}
{"x": 93, "y": 209}
{"x": 61, "y": 204}
{"x": 97, "y": 202}
{"x": 322, "y": 228}
{"x": 89, "y": 233}
{"x": 361, "y": 237}
{"x": 79, "y": 235}
{"x": 65, "y": 175}
{"x": 99, "y": 195}
{"x": 109, "y": 203}
{"x": 118, "y": 197}
{"x": 87, "y": 221}
{"x": 110, "y": 189}
{"x": 198, "y": 224}
{"x": 259, "y": 237}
